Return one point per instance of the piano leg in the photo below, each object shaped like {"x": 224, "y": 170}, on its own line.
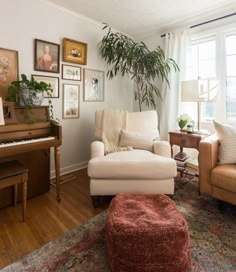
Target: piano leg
{"x": 57, "y": 169}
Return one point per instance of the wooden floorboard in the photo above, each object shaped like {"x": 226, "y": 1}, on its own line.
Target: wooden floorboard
{"x": 46, "y": 219}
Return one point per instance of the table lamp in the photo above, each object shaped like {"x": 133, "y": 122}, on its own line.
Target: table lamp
{"x": 196, "y": 91}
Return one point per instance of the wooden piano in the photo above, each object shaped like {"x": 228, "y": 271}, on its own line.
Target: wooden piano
{"x": 27, "y": 136}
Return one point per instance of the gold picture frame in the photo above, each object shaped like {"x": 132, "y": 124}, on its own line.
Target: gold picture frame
{"x": 74, "y": 51}
{"x": 9, "y": 69}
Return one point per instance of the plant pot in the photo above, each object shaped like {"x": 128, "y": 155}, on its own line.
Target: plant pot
{"x": 31, "y": 97}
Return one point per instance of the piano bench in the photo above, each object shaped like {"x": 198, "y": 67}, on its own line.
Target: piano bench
{"x": 13, "y": 173}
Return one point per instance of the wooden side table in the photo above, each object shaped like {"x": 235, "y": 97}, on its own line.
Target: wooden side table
{"x": 184, "y": 139}
{"x": 11, "y": 174}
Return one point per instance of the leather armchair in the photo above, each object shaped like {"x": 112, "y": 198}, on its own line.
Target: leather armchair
{"x": 216, "y": 180}
{"x": 137, "y": 171}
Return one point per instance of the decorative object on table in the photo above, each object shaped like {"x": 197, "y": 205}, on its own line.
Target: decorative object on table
{"x": 52, "y": 81}
{"x": 183, "y": 120}
{"x": 138, "y": 62}
{"x": 190, "y": 128}
{"x": 8, "y": 69}
{"x": 198, "y": 91}
{"x": 71, "y": 72}
{"x": 70, "y": 101}
{"x": 46, "y": 56}
{"x": 74, "y": 51}
{"x": 93, "y": 85}
{"x": 84, "y": 247}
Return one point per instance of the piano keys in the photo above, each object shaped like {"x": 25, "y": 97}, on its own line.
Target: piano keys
{"x": 31, "y": 143}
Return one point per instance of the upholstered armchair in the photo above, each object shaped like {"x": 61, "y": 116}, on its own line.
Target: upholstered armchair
{"x": 144, "y": 168}
{"x": 216, "y": 180}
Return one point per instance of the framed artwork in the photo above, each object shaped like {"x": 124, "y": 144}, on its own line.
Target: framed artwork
{"x": 70, "y": 101}
{"x": 9, "y": 70}
{"x": 74, "y": 51}
{"x": 93, "y": 85}
{"x": 71, "y": 72}
{"x": 46, "y": 56}
{"x": 2, "y": 122}
{"x": 53, "y": 81}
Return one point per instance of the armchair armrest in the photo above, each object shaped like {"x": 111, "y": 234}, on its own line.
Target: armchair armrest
{"x": 97, "y": 149}
{"x": 162, "y": 148}
{"x": 208, "y": 157}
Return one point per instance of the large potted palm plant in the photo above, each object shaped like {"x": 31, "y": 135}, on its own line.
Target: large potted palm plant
{"x": 134, "y": 59}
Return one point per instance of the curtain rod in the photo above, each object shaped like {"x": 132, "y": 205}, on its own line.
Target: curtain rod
{"x": 210, "y": 21}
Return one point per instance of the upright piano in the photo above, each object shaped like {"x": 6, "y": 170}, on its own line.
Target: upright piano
{"x": 28, "y": 136}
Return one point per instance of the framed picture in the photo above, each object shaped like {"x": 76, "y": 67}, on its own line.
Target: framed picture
{"x": 70, "y": 101}
{"x": 53, "y": 81}
{"x": 46, "y": 56}
{"x": 74, "y": 51}
{"x": 9, "y": 70}
{"x": 71, "y": 72}
{"x": 93, "y": 85}
{"x": 2, "y": 122}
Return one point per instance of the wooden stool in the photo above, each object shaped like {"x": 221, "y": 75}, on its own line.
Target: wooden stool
{"x": 12, "y": 173}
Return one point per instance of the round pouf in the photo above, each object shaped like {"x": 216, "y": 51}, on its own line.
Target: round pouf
{"x": 146, "y": 233}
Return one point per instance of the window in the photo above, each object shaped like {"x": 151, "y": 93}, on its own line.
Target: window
{"x": 213, "y": 59}
{"x": 230, "y": 55}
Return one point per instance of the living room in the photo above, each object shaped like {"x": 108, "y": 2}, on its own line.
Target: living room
{"x": 207, "y": 28}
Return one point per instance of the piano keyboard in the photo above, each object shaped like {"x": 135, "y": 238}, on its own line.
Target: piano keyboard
{"x": 26, "y": 141}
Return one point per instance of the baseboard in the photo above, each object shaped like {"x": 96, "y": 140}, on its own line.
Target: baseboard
{"x": 69, "y": 169}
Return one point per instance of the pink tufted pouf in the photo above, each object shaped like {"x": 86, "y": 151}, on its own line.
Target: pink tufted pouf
{"x": 146, "y": 233}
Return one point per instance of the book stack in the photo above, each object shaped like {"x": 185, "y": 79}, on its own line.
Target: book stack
{"x": 191, "y": 167}
{"x": 181, "y": 158}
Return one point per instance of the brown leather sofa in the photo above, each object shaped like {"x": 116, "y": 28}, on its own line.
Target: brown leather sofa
{"x": 216, "y": 180}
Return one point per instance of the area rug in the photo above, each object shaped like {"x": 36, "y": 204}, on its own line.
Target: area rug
{"x": 212, "y": 234}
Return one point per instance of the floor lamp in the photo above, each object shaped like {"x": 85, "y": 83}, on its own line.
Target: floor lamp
{"x": 191, "y": 91}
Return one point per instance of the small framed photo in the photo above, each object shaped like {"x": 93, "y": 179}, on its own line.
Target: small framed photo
{"x": 53, "y": 81}
{"x": 93, "y": 85}
{"x": 71, "y": 72}
{"x": 9, "y": 70}
{"x": 46, "y": 56}
{"x": 2, "y": 121}
{"x": 71, "y": 98}
{"x": 74, "y": 51}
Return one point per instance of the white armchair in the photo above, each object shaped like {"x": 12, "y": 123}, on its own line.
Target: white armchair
{"x": 140, "y": 171}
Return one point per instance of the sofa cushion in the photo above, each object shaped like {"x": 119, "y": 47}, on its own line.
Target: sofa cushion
{"x": 136, "y": 164}
{"x": 136, "y": 140}
{"x": 227, "y": 139}
{"x": 224, "y": 177}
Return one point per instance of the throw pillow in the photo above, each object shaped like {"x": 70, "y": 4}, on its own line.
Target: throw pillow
{"x": 136, "y": 140}
{"x": 227, "y": 139}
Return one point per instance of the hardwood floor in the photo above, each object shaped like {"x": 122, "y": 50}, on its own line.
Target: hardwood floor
{"x": 46, "y": 219}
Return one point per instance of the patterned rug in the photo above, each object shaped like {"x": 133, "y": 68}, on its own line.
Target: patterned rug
{"x": 212, "y": 234}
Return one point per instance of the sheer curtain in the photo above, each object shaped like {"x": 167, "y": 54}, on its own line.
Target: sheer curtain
{"x": 177, "y": 46}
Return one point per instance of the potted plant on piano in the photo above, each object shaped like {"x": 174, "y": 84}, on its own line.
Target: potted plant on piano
{"x": 28, "y": 93}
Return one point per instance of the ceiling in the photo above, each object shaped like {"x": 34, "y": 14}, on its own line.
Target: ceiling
{"x": 138, "y": 18}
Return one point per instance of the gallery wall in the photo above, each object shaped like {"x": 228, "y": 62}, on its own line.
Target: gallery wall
{"x": 26, "y": 20}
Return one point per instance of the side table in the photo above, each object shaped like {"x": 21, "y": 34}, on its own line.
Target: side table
{"x": 184, "y": 139}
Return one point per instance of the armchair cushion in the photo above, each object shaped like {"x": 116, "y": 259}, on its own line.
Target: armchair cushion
{"x": 136, "y": 164}
{"x": 136, "y": 140}
{"x": 224, "y": 177}
{"x": 227, "y": 139}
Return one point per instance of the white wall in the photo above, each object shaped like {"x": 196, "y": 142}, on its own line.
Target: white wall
{"x": 23, "y": 21}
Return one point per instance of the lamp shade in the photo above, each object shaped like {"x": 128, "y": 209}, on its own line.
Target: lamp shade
{"x": 198, "y": 90}
{"x": 190, "y": 91}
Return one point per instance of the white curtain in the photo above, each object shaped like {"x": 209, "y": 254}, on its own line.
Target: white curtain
{"x": 177, "y": 46}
